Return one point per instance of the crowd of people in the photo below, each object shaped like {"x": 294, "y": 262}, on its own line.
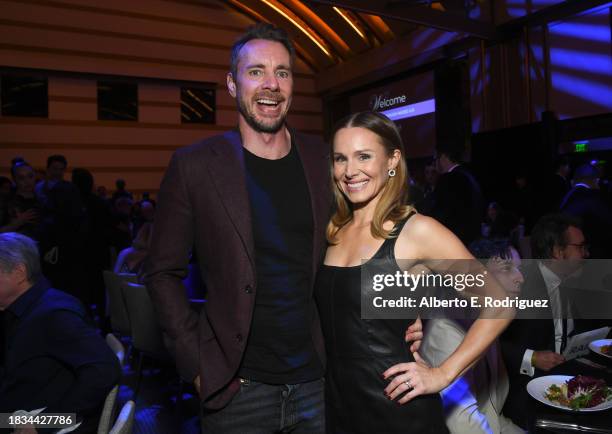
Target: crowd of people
{"x": 280, "y": 224}
{"x": 79, "y": 232}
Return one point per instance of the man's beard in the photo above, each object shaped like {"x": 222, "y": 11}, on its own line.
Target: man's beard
{"x": 256, "y": 124}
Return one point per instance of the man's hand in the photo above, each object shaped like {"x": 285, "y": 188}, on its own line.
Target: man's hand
{"x": 546, "y": 360}
{"x": 414, "y": 334}
{"x": 196, "y": 384}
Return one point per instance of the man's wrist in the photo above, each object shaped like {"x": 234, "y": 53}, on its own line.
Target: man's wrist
{"x": 533, "y": 359}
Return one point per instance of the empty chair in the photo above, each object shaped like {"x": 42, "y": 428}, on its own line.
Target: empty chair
{"x": 125, "y": 420}
{"x": 116, "y": 306}
{"x": 146, "y": 334}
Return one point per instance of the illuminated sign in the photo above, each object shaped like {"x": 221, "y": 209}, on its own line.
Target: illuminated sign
{"x": 380, "y": 102}
{"x": 411, "y": 110}
{"x": 580, "y": 147}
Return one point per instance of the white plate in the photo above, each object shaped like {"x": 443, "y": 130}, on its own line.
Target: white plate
{"x": 538, "y": 386}
{"x": 595, "y": 346}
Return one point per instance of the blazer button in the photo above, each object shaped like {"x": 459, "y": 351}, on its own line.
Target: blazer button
{"x": 248, "y": 289}
{"x": 239, "y": 337}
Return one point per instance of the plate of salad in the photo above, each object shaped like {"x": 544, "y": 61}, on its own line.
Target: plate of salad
{"x": 579, "y": 393}
{"x": 602, "y": 346}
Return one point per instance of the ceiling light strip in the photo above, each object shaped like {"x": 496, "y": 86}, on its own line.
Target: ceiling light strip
{"x": 299, "y": 26}
{"x": 350, "y": 22}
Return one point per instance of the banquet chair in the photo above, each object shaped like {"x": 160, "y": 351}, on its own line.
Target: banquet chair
{"x": 125, "y": 420}
{"x": 147, "y": 338}
{"x": 115, "y": 304}
{"x": 110, "y": 404}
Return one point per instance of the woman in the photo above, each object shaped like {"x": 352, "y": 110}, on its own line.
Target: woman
{"x": 369, "y": 370}
{"x": 473, "y": 403}
{"x": 131, "y": 259}
{"x": 23, "y": 209}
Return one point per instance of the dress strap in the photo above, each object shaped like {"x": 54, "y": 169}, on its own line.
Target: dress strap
{"x": 387, "y": 250}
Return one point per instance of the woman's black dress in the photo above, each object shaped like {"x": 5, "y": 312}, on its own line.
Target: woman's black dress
{"x": 358, "y": 352}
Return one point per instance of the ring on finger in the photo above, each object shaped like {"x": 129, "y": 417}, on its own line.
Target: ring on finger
{"x": 407, "y": 383}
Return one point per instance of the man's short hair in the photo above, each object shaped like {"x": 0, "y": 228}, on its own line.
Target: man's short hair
{"x": 57, "y": 158}
{"x": 264, "y": 31}
{"x": 549, "y": 232}
{"x": 16, "y": 249}
{"x": 485, "y": 248}
{"x": 453, "y": 152}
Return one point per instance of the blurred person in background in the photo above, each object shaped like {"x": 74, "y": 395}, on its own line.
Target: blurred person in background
{"x": 56, "y": 167}
{"x": 532, "y": 347}
{"x": 473, "y": 403}
{"x": 57, "y": 360}
{"x": 586, "y": 201}
{"x": 94, "y": 230}
{"x": 121, "y": 190}
{"x": 22, "y": 210}
{"x": 131, "y": 259}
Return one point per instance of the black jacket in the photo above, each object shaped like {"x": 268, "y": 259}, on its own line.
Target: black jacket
{"x": 458, "y": 204}
{"x": 52, "y": 357}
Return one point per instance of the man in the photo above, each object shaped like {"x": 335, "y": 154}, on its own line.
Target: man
{"x": 532, "y": 347}
{"x": 457, "y": 203}
{"x": 61, "y": 216}
{"x": 557, "y": 185}
{"x": 121, "y": 191}
{"x": 254, "y": 203}
{"x": 56, "y": 167}
{"x": 586, "y": 202}
{"x": 51, "y": 357}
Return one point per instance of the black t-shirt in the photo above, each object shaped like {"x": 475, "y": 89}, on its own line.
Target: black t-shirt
{"x": 280, "y": 348}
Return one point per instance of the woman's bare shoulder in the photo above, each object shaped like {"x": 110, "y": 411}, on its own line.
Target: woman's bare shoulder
{"x": 420, "y": 225}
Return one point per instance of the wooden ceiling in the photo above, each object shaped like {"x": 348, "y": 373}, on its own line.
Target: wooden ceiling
{"x": 329, "y": 32}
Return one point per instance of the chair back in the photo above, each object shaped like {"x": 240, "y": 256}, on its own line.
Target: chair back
{"x": 125, "y": 420}
{"x": 108, "y": 411}
{"x": 146, "y": 334}
{"x": 115, "y": 305}
{"x": 117, "y": 347}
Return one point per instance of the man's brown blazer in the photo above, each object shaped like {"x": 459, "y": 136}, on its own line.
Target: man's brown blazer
{"x": 203, "y": 204}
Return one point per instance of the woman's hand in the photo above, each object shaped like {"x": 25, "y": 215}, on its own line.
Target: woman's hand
{"x": 416, "y": 378}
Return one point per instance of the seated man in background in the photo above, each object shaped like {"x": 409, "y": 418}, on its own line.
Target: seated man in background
{"x": 51, "y": 357}
{"x": 532, "y": 347}
{"x": 473, "y": 403}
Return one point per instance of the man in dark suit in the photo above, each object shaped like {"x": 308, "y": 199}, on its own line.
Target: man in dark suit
{"x": 457, "y": 203}
{"x": 586, "y": 202}
{"x": 556, "y": 186}
{"x": 51, "y": 356}
{"x": 534, "y": 346}
{"x": 254, "y": 203}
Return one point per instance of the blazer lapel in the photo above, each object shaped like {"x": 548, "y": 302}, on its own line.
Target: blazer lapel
{"x": 316, "y": 171}
{"x": 227, "y": 172}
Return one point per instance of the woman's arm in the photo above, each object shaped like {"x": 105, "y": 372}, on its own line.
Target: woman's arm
{"x": 427, "y": 240}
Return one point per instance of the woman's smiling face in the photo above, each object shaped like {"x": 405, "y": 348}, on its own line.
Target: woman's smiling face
{"x": 361, "y": 164}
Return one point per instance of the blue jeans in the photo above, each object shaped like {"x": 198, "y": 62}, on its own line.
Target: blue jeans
{"x": 260, "y": 408}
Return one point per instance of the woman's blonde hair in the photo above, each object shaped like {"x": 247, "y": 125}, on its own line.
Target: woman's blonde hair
{"x": 393, "y": 202}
